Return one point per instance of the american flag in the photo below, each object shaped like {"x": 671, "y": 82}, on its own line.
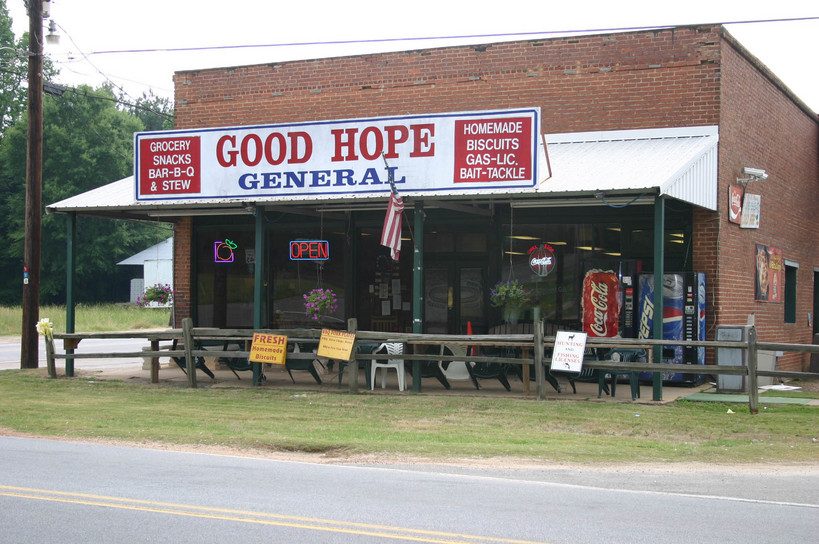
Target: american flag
{"x": 391, "y": 234}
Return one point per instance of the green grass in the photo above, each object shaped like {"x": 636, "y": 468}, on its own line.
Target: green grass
{"x": 434, "y": 427}
{"x": 90, "y": 318}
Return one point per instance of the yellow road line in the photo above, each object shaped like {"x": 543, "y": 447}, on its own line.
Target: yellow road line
{"x": 262, "y": 518}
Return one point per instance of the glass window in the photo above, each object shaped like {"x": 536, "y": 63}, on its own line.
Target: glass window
{"x": 224, "y": 278}
{"x": 290, "y": 280}
{"x": 577, "y": 248}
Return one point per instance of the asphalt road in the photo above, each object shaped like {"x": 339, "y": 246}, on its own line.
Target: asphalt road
{"x": 54, "y": 491}
{"x": 10, "y": 353}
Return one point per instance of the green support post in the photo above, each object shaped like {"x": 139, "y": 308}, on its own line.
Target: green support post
{"x": 258, "y": 283}
{"x": 659, "y": 273}
{"x": 352, "y": 364}
{"x": 418, "y": 287}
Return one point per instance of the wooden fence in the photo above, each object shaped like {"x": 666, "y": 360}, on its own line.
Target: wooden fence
{"x": 532, "y": 348}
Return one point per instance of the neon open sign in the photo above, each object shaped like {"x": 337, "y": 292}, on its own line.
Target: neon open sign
{"x": 309, "y": 250}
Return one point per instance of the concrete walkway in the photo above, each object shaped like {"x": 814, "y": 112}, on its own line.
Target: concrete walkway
{"x": 277, "y": 377}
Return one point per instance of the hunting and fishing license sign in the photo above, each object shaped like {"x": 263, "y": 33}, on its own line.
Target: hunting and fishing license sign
{"x": 569, "y": 349}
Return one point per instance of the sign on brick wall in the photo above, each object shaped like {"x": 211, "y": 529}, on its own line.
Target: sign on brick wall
{"x": 463, "y": 152}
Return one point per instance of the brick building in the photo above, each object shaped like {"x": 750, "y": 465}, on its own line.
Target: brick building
{"x": 671, "y": 119}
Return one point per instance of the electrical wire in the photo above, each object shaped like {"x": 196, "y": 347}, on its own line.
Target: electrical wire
{"x": 86, "y": 94}
{"x": 100, "y": 72}
{"x": 92, "y": 127}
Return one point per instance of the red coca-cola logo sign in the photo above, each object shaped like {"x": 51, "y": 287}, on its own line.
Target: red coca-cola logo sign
{"x": 542, "y": 259}
{"x": 735, "y": 204}
{"x": 599, "y": 297}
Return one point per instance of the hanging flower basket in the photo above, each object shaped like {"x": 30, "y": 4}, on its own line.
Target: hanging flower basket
{"x": 512, "y": 296}
{"x": 320, "y": 303}
{"x": 510, "y": 293}
{"x": 156, "y": 296}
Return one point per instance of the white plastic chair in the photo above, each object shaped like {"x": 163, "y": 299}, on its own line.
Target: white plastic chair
{"x": 393, "y": 348}
{"x": 456, "y": 370}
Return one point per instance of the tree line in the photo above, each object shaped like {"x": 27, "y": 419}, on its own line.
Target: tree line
{"x": 87, "y": 143}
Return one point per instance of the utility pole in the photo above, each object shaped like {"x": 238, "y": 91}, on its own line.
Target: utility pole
{"x": 29, "y": 342}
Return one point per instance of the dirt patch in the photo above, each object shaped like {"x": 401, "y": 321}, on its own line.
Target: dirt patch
{"x": 811, "y": 386}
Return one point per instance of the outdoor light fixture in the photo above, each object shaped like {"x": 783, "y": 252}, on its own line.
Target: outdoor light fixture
{"x": 52, "y": 38}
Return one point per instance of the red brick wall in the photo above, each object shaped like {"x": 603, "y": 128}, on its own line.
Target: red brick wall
{"x": 182, "y": 273}
{"x": 761, "y": 127}
{"x": 616, "y": 81}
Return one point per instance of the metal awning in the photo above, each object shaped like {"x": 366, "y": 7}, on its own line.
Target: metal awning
{"x": 583, "y": 168}
{"x": 676, "y": 162}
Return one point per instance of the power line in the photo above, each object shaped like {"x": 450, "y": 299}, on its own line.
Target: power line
{"x": 86, "y": 94}
{"x": 434, "y": 38}
{"x": 100, "y": 72}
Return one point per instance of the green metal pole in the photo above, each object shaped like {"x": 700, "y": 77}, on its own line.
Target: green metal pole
{"x": 418, "y": 287}
{"x": 258, "y": 283}
{"x": 70, "y": 261}
{"x": 659, "y": 273}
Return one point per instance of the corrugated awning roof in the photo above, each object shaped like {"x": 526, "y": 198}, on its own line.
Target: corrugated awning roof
{"x": 677, "y": 162}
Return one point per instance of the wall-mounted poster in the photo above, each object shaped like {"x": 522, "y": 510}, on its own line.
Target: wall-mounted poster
{"x": 768, "y": 265}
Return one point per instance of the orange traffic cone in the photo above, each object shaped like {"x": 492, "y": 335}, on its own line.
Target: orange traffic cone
{"x": 471, "y": 349}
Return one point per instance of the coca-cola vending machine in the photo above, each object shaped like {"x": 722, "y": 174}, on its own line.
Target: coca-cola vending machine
{"x": 683, "y": 319}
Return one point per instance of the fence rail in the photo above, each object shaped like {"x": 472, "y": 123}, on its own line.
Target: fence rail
{"x": 535, "y": 344}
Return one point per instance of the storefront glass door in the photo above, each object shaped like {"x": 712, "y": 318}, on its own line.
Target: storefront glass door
{"x": 453, "y": 297}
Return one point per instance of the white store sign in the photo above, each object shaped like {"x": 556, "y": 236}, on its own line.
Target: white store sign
{"x": 465, "y": 152}
{"x": 569, "y": 350}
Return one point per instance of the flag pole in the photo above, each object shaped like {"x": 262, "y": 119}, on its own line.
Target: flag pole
{"x": 395, "y": 191}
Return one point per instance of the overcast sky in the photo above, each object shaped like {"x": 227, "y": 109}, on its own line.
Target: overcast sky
{"x": 90, "y": 28}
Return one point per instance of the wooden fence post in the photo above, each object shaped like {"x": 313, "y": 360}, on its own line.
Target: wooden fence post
{"x": 352, "y": 364}
{"x": 190, "y": 365}
{"x": 540, "y": 370}
{"x": 154, "y": 362}
{"x": 753, "y": 385}
{"x": 49, "y": 346}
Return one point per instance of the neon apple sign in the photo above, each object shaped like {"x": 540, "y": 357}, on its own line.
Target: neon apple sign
{"x": 223, "y": 251}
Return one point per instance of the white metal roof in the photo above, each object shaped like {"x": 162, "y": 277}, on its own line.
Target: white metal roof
{"x": 677, "y": 162}
{"x": 113, "y": 195}
{"x": 157, "y": 252}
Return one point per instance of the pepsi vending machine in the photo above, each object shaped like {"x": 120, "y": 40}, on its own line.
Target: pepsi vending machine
{"x": 683, "y": 319}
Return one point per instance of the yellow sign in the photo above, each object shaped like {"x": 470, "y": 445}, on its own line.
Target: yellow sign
{"x": 336, "y": 344}
{"x": 268, "y": 348}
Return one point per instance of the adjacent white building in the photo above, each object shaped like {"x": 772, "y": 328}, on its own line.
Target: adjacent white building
{"x": 157, "y": 267}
